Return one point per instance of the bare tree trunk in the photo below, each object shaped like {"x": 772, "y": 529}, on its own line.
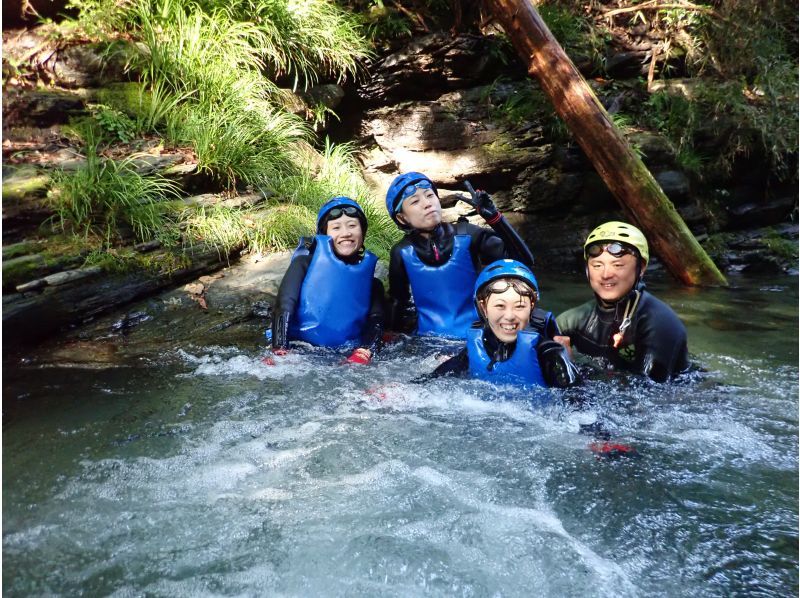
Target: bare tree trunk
{"x": 623, "y": 172}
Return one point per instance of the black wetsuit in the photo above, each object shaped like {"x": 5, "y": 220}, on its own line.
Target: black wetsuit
{"x": 654, "y": 344}
{"x": 485, "y": 247}
{"x": 289, "y": 295}
{"x": 557, "y": 369}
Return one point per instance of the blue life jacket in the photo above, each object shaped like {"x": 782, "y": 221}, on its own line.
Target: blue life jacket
{"x": 335, "y": 298}
{"x": 443, "y": 294}
{"x": 521, "y": 368}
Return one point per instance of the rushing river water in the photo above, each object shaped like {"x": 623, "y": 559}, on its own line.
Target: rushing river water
{"x": 187, "y": 467}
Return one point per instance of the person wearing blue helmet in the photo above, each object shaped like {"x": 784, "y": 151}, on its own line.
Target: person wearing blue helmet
{"x": 513, "y": 343}
{"x": 432, "y": 269}
{"x": 329, "y": 296}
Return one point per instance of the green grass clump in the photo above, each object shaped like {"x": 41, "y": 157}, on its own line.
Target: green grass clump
{"x": 304, "y": 40}
{"x": 781, "y": 247}
{"x": 574, "y": 31}
{"x": 126, "y": 260}
{"x": 292, "y": 210}
{"x": 201, "y": 68}
{"x": 337, "y": 173}
{"x": 103, "y": 195}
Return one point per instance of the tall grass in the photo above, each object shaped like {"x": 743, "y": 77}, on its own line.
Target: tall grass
{"x": 103, "y": 195}
{"x": 201, "y": 68}
{"x": 304, "y": 39}
{"x": 337, "y": 173}
{"x": 291, "y": 212}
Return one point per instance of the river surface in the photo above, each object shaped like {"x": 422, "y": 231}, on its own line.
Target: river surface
{"x": 161, "y": 457}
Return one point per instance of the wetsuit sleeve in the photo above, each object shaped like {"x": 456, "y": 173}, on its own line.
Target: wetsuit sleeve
{"x": 456, "y": 366}
{"x": 515, "y": 247}
{"x": 372, "y": 332}
{"x": 661, "y": 343}
{"x": 501, "y": 242}
{"x": 286, "y": 301}
{"x": 570, "y": 321}
{"x": 402, "y": 315}
{"x": 556, "y": 366}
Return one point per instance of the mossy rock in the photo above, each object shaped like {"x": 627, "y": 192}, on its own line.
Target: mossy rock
{"x": 20, "y": 249}
{"x": 22, "y": 269}
{"x": 25, "y": 182}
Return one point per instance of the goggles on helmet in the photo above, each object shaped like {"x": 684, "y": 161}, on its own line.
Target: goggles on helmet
{"x": 615, "y": 249}
{"x": 500, "y": 286}
{"x": 410, "y": 190}
{"x": 335, "y": 213}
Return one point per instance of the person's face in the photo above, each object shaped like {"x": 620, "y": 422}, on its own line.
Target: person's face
{"x": 611, "y": 278}
{"x": 345, "y": 233}
{"x": 507, "y": 313}
{"x": 421, "y": 211}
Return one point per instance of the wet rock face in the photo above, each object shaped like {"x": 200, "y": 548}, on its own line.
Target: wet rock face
{"x": 431, "y": 64}
{"x": 450, "y": 139}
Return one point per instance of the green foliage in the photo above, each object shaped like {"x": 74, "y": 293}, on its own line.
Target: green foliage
{"x": 516, "y": 105}
{"x": 728, "y": 111}
{"x": 281, "y": 226}
{"x": 236, "y": 146}
{"x": 384, "y": 23}
{"x": 574, "y": 31}
{"x": 691, "y": 161}
{"x": 149, "y": 109}
{"x": 103, "y": 194}
{"x": 219, "y": 226}
{"x": 124, "y": 260}
{"x": 752, "y": 46}
{"x": 783, "y": 248}
{"x": 203, "y": 73}
{"x": 511, "y": 104}
{"x": 338, "y": 174}
{"x": 291, "y": 213}
{"x": 115, "y": 124}
{"x": 304, "y": 40}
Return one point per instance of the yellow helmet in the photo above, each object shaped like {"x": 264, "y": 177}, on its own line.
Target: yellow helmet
{"x": 622, "y": 232}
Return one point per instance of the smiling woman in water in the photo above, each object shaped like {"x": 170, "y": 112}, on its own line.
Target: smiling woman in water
{"x": 329, "y": 296}
{"x": 513, "y": 341}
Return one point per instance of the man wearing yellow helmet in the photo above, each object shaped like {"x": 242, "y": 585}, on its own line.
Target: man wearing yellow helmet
{"x": 624, "y": 325}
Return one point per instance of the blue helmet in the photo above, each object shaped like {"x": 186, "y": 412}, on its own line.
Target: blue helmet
{"x": 347, "y": 206}
{"x": 395, "y": 195}
{"x": 504, "y": 269}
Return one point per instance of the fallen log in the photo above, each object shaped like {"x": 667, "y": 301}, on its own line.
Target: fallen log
{"x": 69, "y": 298}
{"x": 623, "y": 171}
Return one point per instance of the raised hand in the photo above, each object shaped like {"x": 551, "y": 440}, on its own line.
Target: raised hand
{"x": 482, "y": 202}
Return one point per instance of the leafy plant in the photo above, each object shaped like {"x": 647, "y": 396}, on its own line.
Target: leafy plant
{"x": 280, "y": 227}
{"x": 103, "y": 194}
{"x": 303, "y": 39}
{"x": 385, "y": 23}
{"x": 117, "y": 125}
{"x": 576, "y": 34}
{"x": 781, "y": 247}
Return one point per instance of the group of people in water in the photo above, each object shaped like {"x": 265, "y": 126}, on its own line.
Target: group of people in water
{"x": 477, "y": 284}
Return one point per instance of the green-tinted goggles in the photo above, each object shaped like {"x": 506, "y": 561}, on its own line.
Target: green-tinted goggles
{"x": 614, "y": 249}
